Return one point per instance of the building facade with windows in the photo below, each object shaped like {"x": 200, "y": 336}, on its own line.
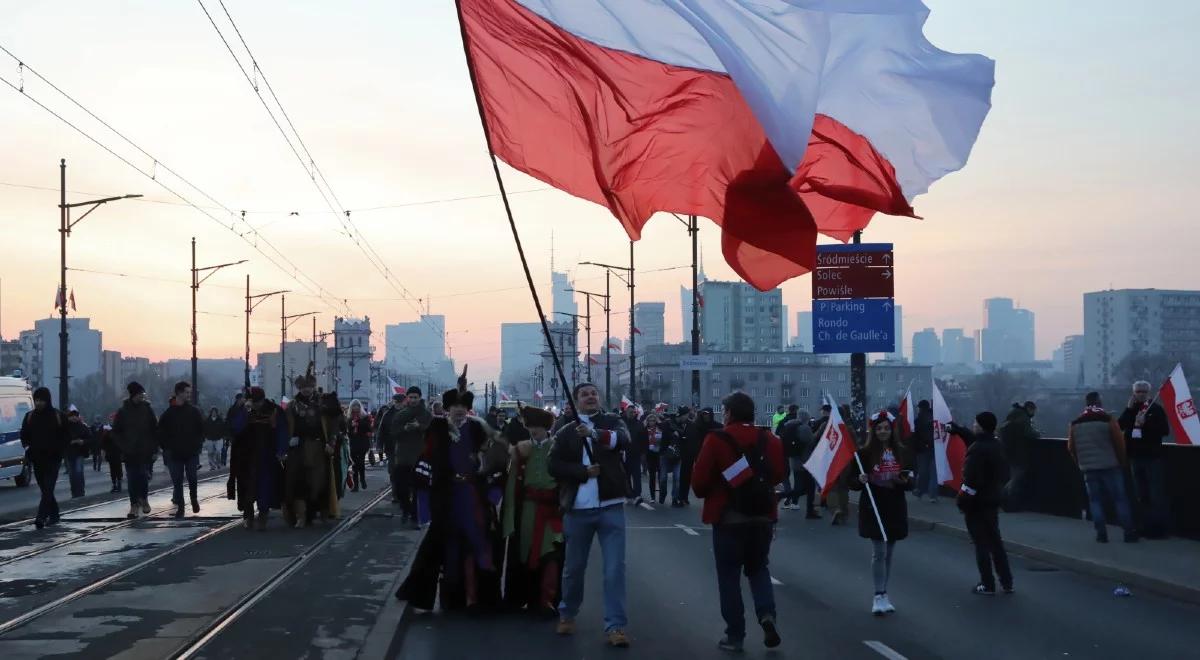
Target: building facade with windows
{"x": 1121, "y": 322}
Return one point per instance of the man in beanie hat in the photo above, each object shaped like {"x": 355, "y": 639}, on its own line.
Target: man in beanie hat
{"x": 532, "y": 520}
{"x": 260, "y": 437}
{"x": 985, "y": 472}
{"x": 306, "y": 464}
{"x": 44, "y": 437}
{"x": 134, "y": 431}
{"x": 403, "y": 436}
{"x": 466, "y": 462}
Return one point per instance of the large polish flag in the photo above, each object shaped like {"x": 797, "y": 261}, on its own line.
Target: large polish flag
{"x": 396, "y": 389}
{"x": 777, "y": 119}
{"x": 908, "y": 416}
{"x": 833, "y": 452}
{"x": 1181, "y": 408}
{"x": 949, "y": 451}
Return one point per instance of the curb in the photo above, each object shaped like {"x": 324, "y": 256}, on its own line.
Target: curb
{"x": 1056, "y": 558}
{"x": 384, "y": 639}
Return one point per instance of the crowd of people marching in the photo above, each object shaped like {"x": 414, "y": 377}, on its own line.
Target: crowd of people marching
{"x": 511, "y": 506}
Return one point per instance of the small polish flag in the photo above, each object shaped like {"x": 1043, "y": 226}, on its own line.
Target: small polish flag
{"x": 908, "y": 416}
{"x": 538, "y": 394}
{"x": 637, "y": 331}
{"x": 625, "y": 402}
{"x": 592, "y": 360}
{"x": 949, "y": 451}
{"x": 73, "y": 300}
{"x": 396, "y": 389}
{"x": 1181, "y": 408}
{"x": 606, "y": 438}
{"x": 504, "y": 396}
{"x": 613, "y": 346}
{"x": 738, "y": 473}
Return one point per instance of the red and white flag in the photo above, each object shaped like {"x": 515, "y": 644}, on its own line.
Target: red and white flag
{"x": 60, "y": 301}
{"x": 949, "y": 451}
{"x": 738, "y": 473}
{"x": 396, "y": 389}
{"x": 73, "y": 300}
{"x": 504, "y": 396}
{"x": 637, "y": 331}
{"x": 1181, "y": 408}
{"x": 537, "y": 394}
{"x": 833, "y": 452}
{"x": 908, "y": 416}
{"x": 592, "y": 360}
{"x": 625, "y": 402}
{"x": 614, "y": 346}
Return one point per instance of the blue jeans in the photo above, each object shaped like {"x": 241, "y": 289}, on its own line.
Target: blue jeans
{"x": 669, "y": 468}
{"x": 927, "y": 483}
{"x": 741, "y": 549}
{"x": 881, "y": 564}
{"x": 579, "y": 527}
{"x": 75, "y": 474}
{"x": 1150, "y": 476}
{"x": 633, "y": 468}
{"x": 178, "y": 468}
{"x": 138, "y": 474}
{"x": 1110, "y": 482}
{"x": 45, "y": 472}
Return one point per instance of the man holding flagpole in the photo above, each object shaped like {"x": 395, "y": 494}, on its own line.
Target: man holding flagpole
{"x": 1145, "y": 425}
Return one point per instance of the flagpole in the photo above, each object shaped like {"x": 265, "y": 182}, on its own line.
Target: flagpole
{"x": 1160, "y": 387}
{"x": 871, "y": 498}
{"x": 512, "y": 223}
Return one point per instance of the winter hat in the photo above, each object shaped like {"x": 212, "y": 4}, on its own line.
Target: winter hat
{"x": 414, "y": 390}
{"x": 42, "y": 394}
{"x": 456, "y": 398}
{"x": 257, "y": 394}
{"x": 536, "y": 417}
{"x": 986, "y": 421}
{"x": 135, "y": 388}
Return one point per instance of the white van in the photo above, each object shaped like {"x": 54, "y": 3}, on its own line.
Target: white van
{"x": 15, "y": 401}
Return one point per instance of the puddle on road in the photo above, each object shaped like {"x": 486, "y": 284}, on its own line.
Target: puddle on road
{"x": 21, "y": 587}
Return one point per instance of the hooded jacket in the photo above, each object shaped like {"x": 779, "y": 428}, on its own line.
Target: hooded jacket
{"x": 44, "y": 432}
{"x": 134, "y": 430}
{"x": 181, "y": 431}
{"x": 985, "y": 470}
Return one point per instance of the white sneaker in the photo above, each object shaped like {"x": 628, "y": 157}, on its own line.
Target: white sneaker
{"x": 888, "y": 608}
{"x": 877, "y": 607}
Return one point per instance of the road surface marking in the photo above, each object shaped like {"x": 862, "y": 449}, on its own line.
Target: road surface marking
{"x": 646, "y": 506}
{"x": 776, "y": 582}
{"x": 884, "y": 650}
{"x": 689, "y": 530}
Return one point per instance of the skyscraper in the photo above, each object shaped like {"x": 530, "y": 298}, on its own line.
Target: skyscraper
{"x": 648, "y": 318}
{"x": 1008, "y": 333}
{"x": 563, "y": 300}
{"x": 1126, "y": 321}
{"x": 738, "y": 317}
{"x": 83, "y": 351}
{"x": 520, "y": 354}
{"x": 926, "y": 349}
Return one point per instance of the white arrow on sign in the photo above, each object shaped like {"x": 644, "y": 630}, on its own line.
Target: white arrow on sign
{"x": 887, "y": 305}
{"x": 887, "y": 274}
{"x": 887, "y": 258}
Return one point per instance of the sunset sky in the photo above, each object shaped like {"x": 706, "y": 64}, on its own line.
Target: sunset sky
{"x": 1078, "y": 182}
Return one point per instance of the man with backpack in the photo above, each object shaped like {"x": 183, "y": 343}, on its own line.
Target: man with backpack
{"x": 736, "y": 474}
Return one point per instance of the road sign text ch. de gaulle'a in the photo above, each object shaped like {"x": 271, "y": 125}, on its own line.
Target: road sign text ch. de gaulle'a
{"x": 853, "y": 308}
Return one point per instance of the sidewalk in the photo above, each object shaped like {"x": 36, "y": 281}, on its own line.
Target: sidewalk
{"x": 1170, "y": 567}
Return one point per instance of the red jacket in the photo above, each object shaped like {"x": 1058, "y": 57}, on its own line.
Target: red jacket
{"x": 716, "y": 455}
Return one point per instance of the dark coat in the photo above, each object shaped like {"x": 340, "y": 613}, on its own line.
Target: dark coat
{"x": 44, "y": 434}
{"x": 798, "y": 439}
{"x": 360, "y": 434}
{"x": 985, "y": 471}
{"x": 1017, "y": 436}
{"x": 922, "y": 437}
{"x": 403, "y": 443}
{"x": 181, "y": 431}
{"x": 566, "y": 460}
{"x": 134, "y": 430}
{"x": 1150, "y": 445}
{"x": 260, "y": 437}
{"x": 892, "y": 502}
{"x": 78, "y": 439}
{"x": 214, "y": 428}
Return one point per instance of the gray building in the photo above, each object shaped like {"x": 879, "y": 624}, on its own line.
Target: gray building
{"x": 297, "y": 355}
{"x": 32, "y": 349}
{"x": 926, "y": 348}
{"x": 648, "y": 317}
{"x": 351, "y": 357}
{"x": 521, "y": 347}
{"x": 216, "y": 370}
{"x": 562, "y": 300}
{"x": 771, "y": 378}
{"x": 111, "y": 368}
{"x": 84, "y": 346}
{"x": 738, "y": 317}
{"x": 10, "y": 357}
{"x": 1121, "y": 322}
{"x": 899, "y": 353}
{"x": 1007, "y": 336}
{"x": 804, "y": 332}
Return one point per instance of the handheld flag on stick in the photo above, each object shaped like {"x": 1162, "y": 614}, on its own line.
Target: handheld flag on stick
{"x": 949, "y": 451}
{"x": 1181, "y": 408}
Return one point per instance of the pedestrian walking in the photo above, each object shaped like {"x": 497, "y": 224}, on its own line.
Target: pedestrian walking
{"x": 134, "y": 432}
{"x": 838, "y": 497}
{"x": 239, "y": 404}
{"x": 1096, "y": 442}
{"x": 695, "y": 432}
{"x": 94, "y": 441}
{"x": 260, "y": 440}
{"x": 798, "y": 443}
{"x": 359, "y": 426}
{"x": 670, "y": 462}
{"x": 404, "y": 440}
{"x": 44, "y": 437}
{"x": 1144, "y": 424}
{"x": 306, "y": 485}
{"x": 532, "y": 521}
{"x": 586, "y": 462}
{"x": 181, "y": 437}
{"x": 635, "y": 454}
{"x": 78, "y": 437}
{"x": 985, "y": 472}
{"x": 653, "y": 431}
{"x": 214, "y": 438}
{"x": 736, "y": 474}
{"x": 922, "y": 445}
{"x": 337, "y": 450}
{"x": 884, "y": 475}
{"x": 112, "y": 454}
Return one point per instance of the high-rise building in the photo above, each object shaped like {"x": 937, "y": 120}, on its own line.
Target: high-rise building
{"x": 1126, "y": 321}
{"x": 1069, "y": 357}
{"x": 1007, "y": 336}
{"x": 926, "y": 348}
{"x": 738, "y": 317}
{"x": 648, "y": 317}
{"x": 83, "y": 351}
{"x": 417, "y": 349}
{"x": 950, "y": 346}
{"x": 32, "y": 350}
{"x": 111, "y": 368}
{"x": 520, "y": 354}
{"x": 804, "y": 332}
{"x": 563, "y": 300}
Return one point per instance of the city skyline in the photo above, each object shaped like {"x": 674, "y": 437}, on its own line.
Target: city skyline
{"x": 997, "y": 228}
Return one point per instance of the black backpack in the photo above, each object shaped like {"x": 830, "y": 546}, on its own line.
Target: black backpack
{"x": 755, "y": 497}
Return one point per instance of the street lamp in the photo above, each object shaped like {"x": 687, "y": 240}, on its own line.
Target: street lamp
{"x": 64, "y": 230}
{"x": 609, "y": 269}
{"x": 251, "y": 303}
{"x": 196, "y": 282}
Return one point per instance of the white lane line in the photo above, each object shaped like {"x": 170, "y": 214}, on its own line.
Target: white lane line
{"x": 776, "y": 582}
{"x": 689, "y": 530}
{"x": 646, "y": 506}
{"x": 884, "y": 650}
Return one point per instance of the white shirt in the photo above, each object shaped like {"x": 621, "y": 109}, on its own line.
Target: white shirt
{"x": 588, "y": 496}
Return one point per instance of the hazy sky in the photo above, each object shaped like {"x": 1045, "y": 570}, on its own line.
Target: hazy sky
{"x": 1078, "y": 181}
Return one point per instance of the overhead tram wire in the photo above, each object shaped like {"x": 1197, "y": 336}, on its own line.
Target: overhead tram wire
{"x": 310, "y": 166}
{"x": 291, "y": 270}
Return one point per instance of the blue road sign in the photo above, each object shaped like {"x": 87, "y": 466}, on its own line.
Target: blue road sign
{"x": 855, "y": 325}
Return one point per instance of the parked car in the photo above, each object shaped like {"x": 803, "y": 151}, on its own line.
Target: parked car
{"x": 15, "y": 401}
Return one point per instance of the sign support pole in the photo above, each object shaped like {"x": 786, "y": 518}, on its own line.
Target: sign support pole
{"x": 858, "y": 384}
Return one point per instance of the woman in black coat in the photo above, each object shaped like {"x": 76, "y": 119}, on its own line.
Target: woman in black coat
{"x": 888, "y": 474}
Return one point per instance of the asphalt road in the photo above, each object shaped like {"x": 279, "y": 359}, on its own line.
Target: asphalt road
{"x": 823, "y": 597}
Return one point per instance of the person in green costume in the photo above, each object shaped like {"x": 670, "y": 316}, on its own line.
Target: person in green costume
{"x": 532, "y": 520}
